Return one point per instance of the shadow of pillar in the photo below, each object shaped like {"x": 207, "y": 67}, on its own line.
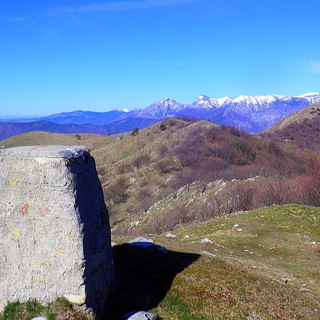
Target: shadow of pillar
{"x": 144, "y": 276}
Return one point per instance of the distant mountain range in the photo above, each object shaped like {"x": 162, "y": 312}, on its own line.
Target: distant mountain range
{"x": 249, "y": 113}
{"x": 9, "y": 129}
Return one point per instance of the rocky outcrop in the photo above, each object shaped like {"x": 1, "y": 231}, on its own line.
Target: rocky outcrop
{"x": 54, "y": 227}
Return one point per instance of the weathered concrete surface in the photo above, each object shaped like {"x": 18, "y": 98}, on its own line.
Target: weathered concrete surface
{"x": 54, "y": 227}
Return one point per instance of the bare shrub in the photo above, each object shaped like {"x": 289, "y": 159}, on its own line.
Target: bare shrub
{"x": 145, "y": 199}
{"x": 124, "y": 168}
{"x": 166, "y": 166}
{"x": 163, "y": 150}
{"x": 101, "y": 171}
{"x": 143, "y": 183}
{"x": 141, "y": 160}
{"x": 167, "y": 220}
{"x": 116, "y": 192}
{"x": 310, "y": 189}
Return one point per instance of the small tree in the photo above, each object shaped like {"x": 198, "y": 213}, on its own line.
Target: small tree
{"x": 135, "y": 131}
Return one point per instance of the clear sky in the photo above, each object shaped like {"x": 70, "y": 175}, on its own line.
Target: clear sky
{"x": 99, "y": 55}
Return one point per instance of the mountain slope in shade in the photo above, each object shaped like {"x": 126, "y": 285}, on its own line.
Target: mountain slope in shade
{"x": 309, "y": 112}
{"x": 9, "y": 129}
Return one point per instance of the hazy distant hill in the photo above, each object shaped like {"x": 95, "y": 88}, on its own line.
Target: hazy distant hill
{"x": 9, "y": 129}
{"x": 86, "y": 117}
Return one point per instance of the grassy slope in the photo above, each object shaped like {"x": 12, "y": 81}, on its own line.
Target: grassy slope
{"x": 124, "y": 148}
{"x": 269, "y": 270}
{"x": 297, "y": 117}
{"x": 136, "y": 213}
{"x": 262, "y": 264}
{"x": 89, "y": 140}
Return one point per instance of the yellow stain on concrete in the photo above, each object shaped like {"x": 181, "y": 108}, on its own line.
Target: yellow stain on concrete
{"x": 16, "y": 233}
{"x": 60, "y": 252}
{"x": 41, "y": 264}
{"x": 43, "y": 281}
{"x": 18, "y": 179}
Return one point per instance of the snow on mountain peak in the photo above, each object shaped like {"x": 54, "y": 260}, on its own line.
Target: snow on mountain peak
{"x": 167, "y": 101}
{"x": 309, "y": 94}
{"x": 208, "y": 102}
{"x": 257, "y": 100}
{"x": 121, "y": 110}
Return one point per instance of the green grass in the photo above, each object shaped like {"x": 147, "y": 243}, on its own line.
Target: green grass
{"x": 269, "y": 270}
{"x": 60, "y": 309}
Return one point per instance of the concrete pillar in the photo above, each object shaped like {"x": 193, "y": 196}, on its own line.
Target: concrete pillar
{"x": 54, "y": 227}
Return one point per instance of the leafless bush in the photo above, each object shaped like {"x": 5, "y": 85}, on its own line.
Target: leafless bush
{"x": 145, "y": 199}
{"x": 141, "y": 160}
{"x": 101, "y": 171}
{"x": 124, "y": 168}
{"x": 166, "y": 166}
{"x": 167, "y": 220}
{"x": 143, "y": 183}
{"x": 163, "y": 150}
{"x": 116, "y": 192}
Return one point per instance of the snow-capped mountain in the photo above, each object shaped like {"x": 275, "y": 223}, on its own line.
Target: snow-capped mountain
{"x": 163, "y": 109}
{"x": 256, "y": 102}
{"x": 249, "y": 113}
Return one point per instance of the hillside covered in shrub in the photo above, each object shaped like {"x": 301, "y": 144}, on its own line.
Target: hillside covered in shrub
{"x": 183, "y": 170}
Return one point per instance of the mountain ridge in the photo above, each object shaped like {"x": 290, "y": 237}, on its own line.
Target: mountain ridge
{"x": 249, "y": 113}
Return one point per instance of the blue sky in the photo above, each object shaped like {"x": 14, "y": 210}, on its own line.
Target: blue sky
{"x": 99, "y": 55}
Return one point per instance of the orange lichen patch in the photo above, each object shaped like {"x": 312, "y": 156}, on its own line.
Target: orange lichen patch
{"x": 24, "y": 209}
{"x": 60, "y": 252}
{"x": 12, "y": 181}
{"x": 43, "y": 211}
{"x": 16, "y": 233}
{"x": 128, "y": 143}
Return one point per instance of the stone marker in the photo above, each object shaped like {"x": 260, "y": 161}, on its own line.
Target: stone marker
{"x": 54, "y": 227}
